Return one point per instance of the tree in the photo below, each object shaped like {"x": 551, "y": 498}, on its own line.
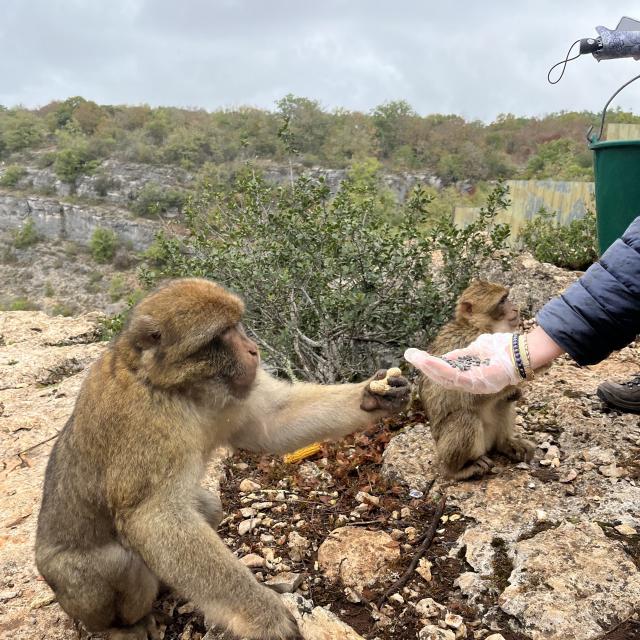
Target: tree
{"x": 390, "y": 120}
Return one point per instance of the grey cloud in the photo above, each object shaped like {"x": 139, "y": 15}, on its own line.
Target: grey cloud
{"x": 475, "y": 59}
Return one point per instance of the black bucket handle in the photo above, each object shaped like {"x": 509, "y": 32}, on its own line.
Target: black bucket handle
{"x": 592, "y": 139}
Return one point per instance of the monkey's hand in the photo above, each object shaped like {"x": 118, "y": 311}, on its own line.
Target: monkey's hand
{"x": 498, "y": 372}
{"x": 387, "y": 391}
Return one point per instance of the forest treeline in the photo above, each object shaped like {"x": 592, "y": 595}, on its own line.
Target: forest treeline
{"x": 75, "y": 135}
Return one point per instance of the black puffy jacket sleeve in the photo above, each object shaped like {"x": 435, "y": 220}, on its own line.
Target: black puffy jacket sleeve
{"x": 600, "y": 312}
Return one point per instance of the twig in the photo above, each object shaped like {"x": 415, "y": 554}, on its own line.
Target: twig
{"x": 37, "y": 444}
{"x": 431, "y": 533}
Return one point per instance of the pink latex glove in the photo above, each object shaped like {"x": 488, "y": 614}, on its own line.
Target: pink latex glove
{"x": 489, "y": 378}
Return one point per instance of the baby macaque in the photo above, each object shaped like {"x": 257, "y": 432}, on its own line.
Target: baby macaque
{"x": 466, "y": 427}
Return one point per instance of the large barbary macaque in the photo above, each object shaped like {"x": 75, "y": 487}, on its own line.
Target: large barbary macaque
{"x": 466, "y": 427}
{"x": 123, "y": 509}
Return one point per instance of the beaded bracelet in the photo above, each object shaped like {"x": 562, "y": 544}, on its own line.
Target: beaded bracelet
{"x": 517, "y": 356}
{"x": 526, "y": 358}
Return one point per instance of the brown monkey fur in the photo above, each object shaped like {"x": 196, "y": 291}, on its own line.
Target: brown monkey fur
{"x": 123, "y": 509}
{"x": 465, "y": 426}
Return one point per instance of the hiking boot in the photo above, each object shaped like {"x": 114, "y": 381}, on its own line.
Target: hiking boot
{"x": 624, "y": 396}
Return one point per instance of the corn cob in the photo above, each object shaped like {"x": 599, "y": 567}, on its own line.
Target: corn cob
{"x": 303, "y": 453}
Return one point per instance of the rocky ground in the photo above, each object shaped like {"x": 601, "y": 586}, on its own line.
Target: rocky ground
{"x": 546, "y": 550}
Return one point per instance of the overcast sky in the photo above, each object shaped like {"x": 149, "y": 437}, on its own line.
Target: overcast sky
{"x": 476, "y": 59}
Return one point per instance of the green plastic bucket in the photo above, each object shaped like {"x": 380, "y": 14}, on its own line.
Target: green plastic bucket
{"x": 617, "y": 175}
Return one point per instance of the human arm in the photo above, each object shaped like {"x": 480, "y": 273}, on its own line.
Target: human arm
{"x": 599, "y": 313}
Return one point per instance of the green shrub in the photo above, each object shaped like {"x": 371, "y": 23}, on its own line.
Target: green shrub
{"x": 332, "y": 288}
{"x": 103, "y": 245}
{"x": 65, "y": 309}
{"x": 26, "y": 235}
{"x": 153, "y": 200}
{"x": 74, "y": 158}
{"x": 117, "y": 288}
{"x": 572, "y": 246}
{"x": 23, "y": 304}
{"x": 12, "y": 175}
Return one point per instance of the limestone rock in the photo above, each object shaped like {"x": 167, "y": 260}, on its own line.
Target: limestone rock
{"x": 252, "y": 560}
{"x": 429, "y": 608}
{"x": 356, "y": 557}
{"x": 298, "y": 546}
{"x": 431, "y": 632}
{"x": 410, "y": 457}
{"x": 247, "y": 486}
{"x": 597, "y": 585}
{"x": 285, "y": 582}
{"x": 318, "y": 623}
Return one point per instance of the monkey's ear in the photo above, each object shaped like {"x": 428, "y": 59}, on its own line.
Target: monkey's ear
{"x": 466, "y": 308}
{"x": 144, "y": 332}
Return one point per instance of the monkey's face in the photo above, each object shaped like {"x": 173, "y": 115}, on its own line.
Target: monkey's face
{"x": 187, "y": 336}
{"x": 507, "y": 316}
{"x": 236, "y": 361}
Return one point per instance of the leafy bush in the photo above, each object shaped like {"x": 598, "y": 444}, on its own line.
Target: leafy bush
{"x": 26, "y": 236}
{"x": 65, "y": 309}
{"x": 117, "y": 288}
{"x": 153, "y": 200}
{"x": 572, "y": 246}
{"x": 12, "y": 175}
{"x": 22, "y": 304}
{"x": 74, "y": 158}
{"x": 103, "y": 245}
{"x": 331, "y": 287}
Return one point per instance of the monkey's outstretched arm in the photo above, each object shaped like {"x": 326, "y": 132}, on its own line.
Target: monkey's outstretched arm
{"x": 283, "y": 417}
{"x": 180, "y": 547}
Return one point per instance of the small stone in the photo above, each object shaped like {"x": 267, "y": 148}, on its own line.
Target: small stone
{"x": 429, "y": 608}
{"x": 461, "y": 632}
{"x": 396, "y": 597}
{"x": 424, "y": 569}
{"x": 298, "y": 545}
{"x": 260, "y": 506}
{"x": 625, "y": 529}
{"x": 252, "y": 560}
{"x": 241, "y": 466}
{"x": 495, "y": 636}
{"x": 247, "y": 512}
{"x": 286, "y": 582}
{"x": 247, "y": 486}
{"x": 341, "y": 520}
{"x": 416, "y": 494}
{"x": 431, "y": 632}
{"x": 247, "y": 525}
{"x": 266, "y": 538}
{"x": 43, "y": 601}
{"x": 454, "y": 516}
{"x": 532, "y": 485}
{"x": 367, "y": 498}
{"x": 611, "y": 471}
{"x": 5, "y": 596}
{"x": 351, "y": 595}
{"x": 541, "y": 515}
{"x": 396, "y": 534}
{"x": 454, "y": 621}
{"x": 411, "y": 533}
{"x": 571, "y": 475}
{"x": 405, "y": 512}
